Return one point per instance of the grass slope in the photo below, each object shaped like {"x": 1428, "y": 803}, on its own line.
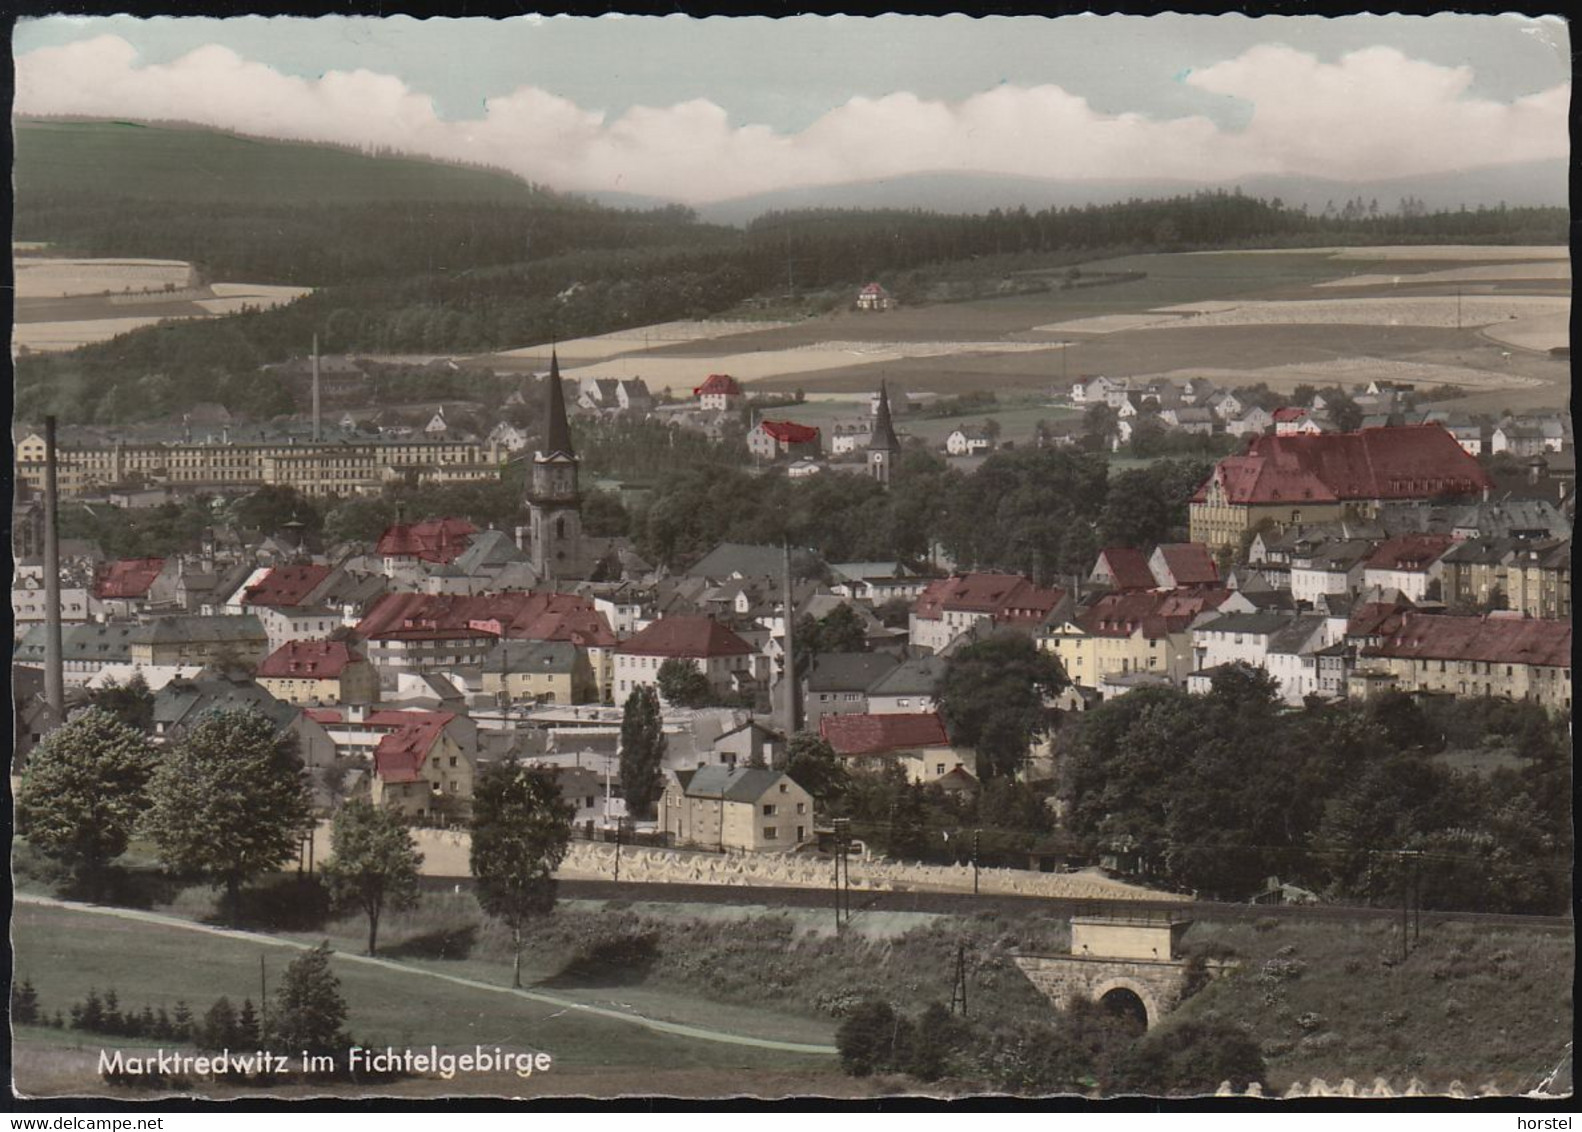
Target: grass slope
{"x": 65, "y": 952}
{"x": 61, "y": 159}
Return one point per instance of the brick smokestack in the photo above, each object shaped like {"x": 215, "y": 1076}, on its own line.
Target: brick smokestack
{"x": 315, "y": 389}
{"x": 54, "y": 653}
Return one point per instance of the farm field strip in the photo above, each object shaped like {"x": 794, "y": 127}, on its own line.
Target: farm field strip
{"x": 408, "y": 970}
{"x": 1443, "y": 311}
{"x": 44, "y": 277}
{"x": 1351, "y": 371}
{"x": 1411, "y": 251}
{"x": 1498, "y": 272}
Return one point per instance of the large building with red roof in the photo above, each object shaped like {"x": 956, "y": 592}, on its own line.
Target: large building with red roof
{"x": 286, "y": 586}
{"x": 729, "y": 663}
{"x": 433, "y": 540}
{"x": 1131, "y": 631}
{"x": 919, "y": 742}
{"x": 408, "y": 632}
{"x": 318, "y": 672}
{"x": 719, "y": 393}
{"x": 1503, "y": 655}
{"x": 771, "y": 440}
{"x": 952, "y": 606}
{"x": 1290, "y": 480}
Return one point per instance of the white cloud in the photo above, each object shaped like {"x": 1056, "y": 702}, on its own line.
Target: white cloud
{"x": 1372, "y": 114}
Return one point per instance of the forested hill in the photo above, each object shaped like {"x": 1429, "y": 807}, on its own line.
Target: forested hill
{"x": 63, "y": 159}
{"x": 417, "y": 257}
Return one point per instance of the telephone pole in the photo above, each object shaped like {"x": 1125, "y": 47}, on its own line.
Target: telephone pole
{"x": 977, "y": 834}
{"x": 842, "y": 873}
{"x": 958, "y": 989}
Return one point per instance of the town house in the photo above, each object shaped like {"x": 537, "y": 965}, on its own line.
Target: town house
{"x": 742, "y": 808}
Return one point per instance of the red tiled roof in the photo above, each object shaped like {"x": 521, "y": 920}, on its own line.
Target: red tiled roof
{"x": 1409, "y": 552}
{"x": 515, "y": 616}
{"x": 1496, "y": 640}
{"x": 873, "y": 289}
{"x": 309, "y": 660}
{"x": 1414, "y": 462}
{"x": 1005, "y": 597}
{"x": 1289, "y": 414}
{"x": 285, "y": 586}
{"x": 400, "y": 755}
{"x": 1128, "y": 568}
{"x": 1190, "y": 564}
{"x": 1156, "y": 613}
{"x": 127, "y": 577}
{"x": 719, "y": 383}
{"x": 432, "y": 540}
{"x": 685, "y": 637}
{"x": 789, "y": 432}
{"x": 1376, "y": 618}
{"x": 875, "y": 734}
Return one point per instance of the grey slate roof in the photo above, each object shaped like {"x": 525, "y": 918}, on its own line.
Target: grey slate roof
{"x": 182, "y": 701}
{"x": 198, "y": 629}
{"x": 916, "y": 677}
{"x": 531, "y": 656}
{"x": 1256, "y": 623}
{"x": 744, "y": 784}
{"x": 1297, "y": 634}
{"x": 848, "y": 671}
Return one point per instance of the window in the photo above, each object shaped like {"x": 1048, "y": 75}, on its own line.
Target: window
{"x": 801, "y": 807}
{"x": 770, "y": 833}
{"x": 769, "y": 810}
{"x": 939, "y": 768}
{"x": 453, "y": 760}
{"x": 784, "y": 789}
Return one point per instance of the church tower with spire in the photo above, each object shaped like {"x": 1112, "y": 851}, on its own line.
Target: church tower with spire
{"x": 883, "y": 447}
{"x": 553, "y": 503}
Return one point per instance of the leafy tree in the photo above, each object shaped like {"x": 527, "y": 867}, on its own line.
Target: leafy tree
{"x": 812, "y": 764}
{"x": 681, "y": 684}
{"x": 991, "y": 698}
{"x": 1191, "y": 1058}
{"x": 521, "y": 829}
{"x": 131, "y": 703}
{"x": 873, "y": 1038}
{"x": 83, "y": 790}
{"x": 842, "y": 630}
{"x": 642, "y": 749}
{"x": 230, "y": 801}
{"x": 935, "y": 1039}
{"x": 310, "y": 1013}
{"x": 375, "y": 863}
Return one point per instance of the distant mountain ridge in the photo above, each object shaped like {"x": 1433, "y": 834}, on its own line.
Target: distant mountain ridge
{"x": 1542, "y": 183}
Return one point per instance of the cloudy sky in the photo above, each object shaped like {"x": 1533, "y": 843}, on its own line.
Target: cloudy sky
{"x": 706, "y": 110}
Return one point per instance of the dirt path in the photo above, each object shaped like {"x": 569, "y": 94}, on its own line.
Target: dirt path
{"x": 656, "y": 1024}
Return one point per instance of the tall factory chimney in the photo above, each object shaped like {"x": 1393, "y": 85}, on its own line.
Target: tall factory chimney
{"x": 792, "y": 687}
{"x": 54, "y": 653}
{"x": 315, "y": 389}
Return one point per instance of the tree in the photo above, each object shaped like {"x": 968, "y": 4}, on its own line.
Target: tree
{"x": 842, "y": 630}
{"x": 230, "y": 801}
{"x": 375, "y": 863}
{"x": 309, "y": 1014}
{"x": 642, "y": 750}
{"x": 83, "y": 790}
{"x": 521, "y": 829}
{"x": 813, "y": 765}
{"x": 991, "y": 698}
{"x": 681, "y": 684}
{"x": 131, "y": 703}
{"x": 872, "y": 1038}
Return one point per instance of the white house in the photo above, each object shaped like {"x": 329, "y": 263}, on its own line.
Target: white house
{"x": 968, "y": 442}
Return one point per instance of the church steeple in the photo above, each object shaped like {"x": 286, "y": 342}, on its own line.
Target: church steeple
{"x": 557, "y": 430}
{"x": 883, "y": 446}
{"x": 553, "y": 502}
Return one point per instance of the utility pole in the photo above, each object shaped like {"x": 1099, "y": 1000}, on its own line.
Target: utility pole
{"x": 958, "y": 989}
{"x": 842, "y": 872}
{"x": 620, "y": 822}
{"x": 976, "y": 835}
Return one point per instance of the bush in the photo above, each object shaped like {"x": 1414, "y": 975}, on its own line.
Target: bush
{"x": 873, "y": 1038}
{"x": 1191, "y": 1059}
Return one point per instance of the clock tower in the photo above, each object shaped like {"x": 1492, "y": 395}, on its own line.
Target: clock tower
{"x": 883, "y": 447}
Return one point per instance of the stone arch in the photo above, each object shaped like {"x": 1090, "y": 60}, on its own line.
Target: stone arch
{"x": 1152, "y": 1011}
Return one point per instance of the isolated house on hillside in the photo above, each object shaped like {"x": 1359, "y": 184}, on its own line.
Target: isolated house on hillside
{"x": 873, "y": 297}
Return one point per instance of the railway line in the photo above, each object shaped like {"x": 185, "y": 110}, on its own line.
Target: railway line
{"x": 966, "y": 903}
